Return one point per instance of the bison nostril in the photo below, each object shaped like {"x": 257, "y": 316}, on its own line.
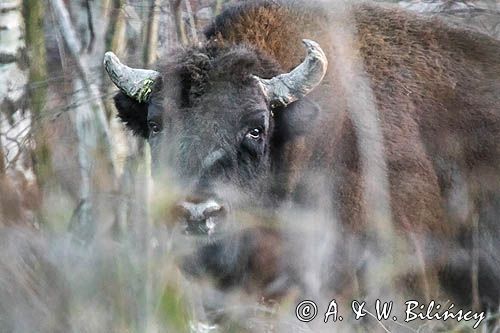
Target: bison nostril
{"x": 199, "y": 211}
{"x": 212, "y": 209}
{"x": 200, "y": 217}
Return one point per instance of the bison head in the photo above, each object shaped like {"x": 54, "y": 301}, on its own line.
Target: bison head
{"x": 213, "y": 115}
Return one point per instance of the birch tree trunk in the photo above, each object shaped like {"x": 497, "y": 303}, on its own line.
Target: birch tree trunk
{"x": 14, "y": 122}
{"x": 18, "y": 189}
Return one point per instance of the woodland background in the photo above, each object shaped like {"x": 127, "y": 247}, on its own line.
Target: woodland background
{"x": 67, "y": 165}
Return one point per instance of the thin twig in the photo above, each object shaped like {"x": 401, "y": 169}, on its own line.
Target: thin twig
{"x": 2, "y": 159}
{"x": 90, "y": 24}
{"x": 475, "y": 263}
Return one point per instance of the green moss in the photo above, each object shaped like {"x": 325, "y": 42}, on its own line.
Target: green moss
{"x": 143, "y": 94}
{"x": 173, "y": 310}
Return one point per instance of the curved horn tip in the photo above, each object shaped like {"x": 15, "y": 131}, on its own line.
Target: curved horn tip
{"x": 286, "y": 88}
{"x": 313, "y": 48}
{"x": 110, "y": 57}
{"x": 135, "y": 83}
{"x": 309, "y": 43}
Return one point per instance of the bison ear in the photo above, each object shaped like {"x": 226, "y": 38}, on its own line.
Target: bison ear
{"x": 133, "y": 114}
{"x": 296, "y": 119}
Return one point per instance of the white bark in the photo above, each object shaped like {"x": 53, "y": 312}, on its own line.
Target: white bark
{"x": 15, "y": 124}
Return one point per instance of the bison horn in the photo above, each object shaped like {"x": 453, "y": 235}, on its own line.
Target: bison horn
{"x": 135, "y": 83}
{"x": 287, "y": 88}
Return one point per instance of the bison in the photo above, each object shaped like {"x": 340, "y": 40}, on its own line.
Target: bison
{"x": 395, "y": 116}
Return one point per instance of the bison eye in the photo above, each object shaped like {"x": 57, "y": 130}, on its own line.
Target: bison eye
{"x": 254, "y": 133}
{"x": 154, "y": 127}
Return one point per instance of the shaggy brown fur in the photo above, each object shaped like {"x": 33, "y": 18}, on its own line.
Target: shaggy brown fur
{"x": 437, "y": 93}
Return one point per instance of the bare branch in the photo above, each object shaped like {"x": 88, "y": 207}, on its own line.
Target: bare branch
{"x": 65, "y": 27}
{"x": 2, "y": 160}
{"x": 69, "y": 37}
{"x": 90, "y": 24}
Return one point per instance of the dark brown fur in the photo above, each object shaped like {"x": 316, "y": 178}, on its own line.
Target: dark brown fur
{"x": 432, "y": 83}
{"x": 437, "y": 92}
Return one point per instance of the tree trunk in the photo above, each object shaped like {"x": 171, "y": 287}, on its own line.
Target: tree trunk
{"x": 35, "y": 43}
{"x": 96, "y": 163}
{"x": 14, "y": 122}
{"x": 192, "y": 25}
{"x": 151, "y": 45}
{"x": 20, "y": 197}
{"x": 179, "y": 22}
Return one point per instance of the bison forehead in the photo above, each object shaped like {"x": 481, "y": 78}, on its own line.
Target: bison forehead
{"x": 193, "y": 72}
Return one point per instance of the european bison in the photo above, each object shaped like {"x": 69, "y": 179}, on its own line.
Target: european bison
{"x": 397, "y": 115}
